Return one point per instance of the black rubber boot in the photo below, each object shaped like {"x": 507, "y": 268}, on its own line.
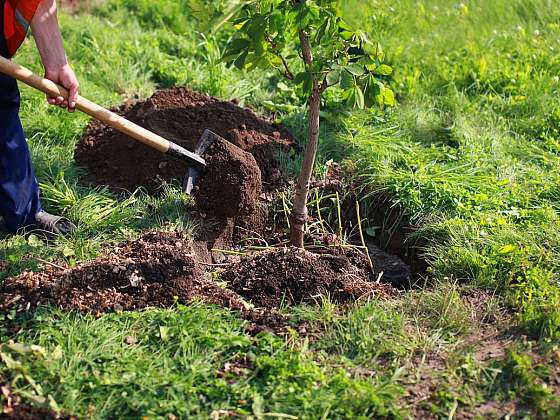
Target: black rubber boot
{"x": 52, "y": 226}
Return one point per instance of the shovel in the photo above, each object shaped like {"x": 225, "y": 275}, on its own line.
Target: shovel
{"x": 196, "y": 164}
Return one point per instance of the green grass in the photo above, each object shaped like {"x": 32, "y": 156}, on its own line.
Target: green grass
{"x": 474, "y": 159}
{"x": 470, "y": 156}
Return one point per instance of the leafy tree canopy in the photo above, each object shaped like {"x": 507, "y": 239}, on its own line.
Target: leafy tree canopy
{"x": 269, "y": 36}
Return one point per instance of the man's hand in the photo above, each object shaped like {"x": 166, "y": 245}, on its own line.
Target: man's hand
{"x": 49, "y": 42}
{"x": 65, "y": 77}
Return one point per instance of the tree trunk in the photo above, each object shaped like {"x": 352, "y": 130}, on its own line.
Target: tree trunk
{"x": 299, "y": 212}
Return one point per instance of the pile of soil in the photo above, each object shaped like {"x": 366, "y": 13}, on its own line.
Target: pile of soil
{"x": 26, "y": 412}
{"x": 159, "y": 269}
{"x": 293, "y": 276}
{"x": 180, "y": 115}
{"x": 155, "y": 270}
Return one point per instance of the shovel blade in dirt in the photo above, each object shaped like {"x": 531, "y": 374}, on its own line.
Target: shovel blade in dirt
{"x": 208, "y": 137}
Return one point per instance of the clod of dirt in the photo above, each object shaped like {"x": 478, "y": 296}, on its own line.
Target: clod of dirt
{"x": 292, "y": 276}
{"x": 232, "y": 183}
{"x": 390, "y": 268}
{"x": 179, "y": 115}
{"x": 154, "y": 270}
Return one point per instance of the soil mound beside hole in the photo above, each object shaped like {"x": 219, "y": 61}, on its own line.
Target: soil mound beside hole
{"x": 232, "y": 183}
{"x": 158, "y": 269}
{"x": 180, "y": 115}
{"x": 292, "y": 276}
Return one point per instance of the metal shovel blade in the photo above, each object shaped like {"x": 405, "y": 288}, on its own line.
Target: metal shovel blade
{"x": 193, "y": 174}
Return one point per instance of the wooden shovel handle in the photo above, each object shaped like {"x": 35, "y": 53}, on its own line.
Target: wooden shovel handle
{"x": 92, "y": 109}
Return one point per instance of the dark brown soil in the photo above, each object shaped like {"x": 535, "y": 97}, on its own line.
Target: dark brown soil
{"x": 292, "y": 276}
{"x": 159, "y": 270}
{"x": 181, "y": 116}
{"x": 390, "y": 268}
{"x": 232, "y": 184}
{"x": 156, "y": 270}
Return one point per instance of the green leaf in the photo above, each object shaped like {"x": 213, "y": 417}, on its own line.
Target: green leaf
{"x": 346, "y": 81}
{"x": 355, "y": 69}
{"x": 273, "y": 60}
{"x": 384, "y": 70}
{"x": 308, "y": 84}
{"x": 34, "y": 241}
{"x": 507, "y": 249}
{"x": 343, "y": 25}
{"x": 321, "y": 31}
{"x": 389, "y": 97}
{"x": 370, "y": 231}
{"x": 236, "y": 46}
{"x": 240, "y": 61}
{"x": 256, "y": 32}
{"x": 379, "y": 95}
{"x": 300, "y": 78}
{"x": 360, "y": 102}
{"x": 350, "y": 96}
{"x": 68, "y": 252}
{"x": 164, "y": 333}
{"x": 333, "y": 77}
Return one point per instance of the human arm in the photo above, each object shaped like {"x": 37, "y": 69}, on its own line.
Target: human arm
{"x": 51, "y": 48}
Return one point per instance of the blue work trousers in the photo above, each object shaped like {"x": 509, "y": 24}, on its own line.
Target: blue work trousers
{"x": 19, "y": 191}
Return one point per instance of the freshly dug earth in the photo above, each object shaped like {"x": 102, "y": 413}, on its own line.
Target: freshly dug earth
{"x": 155, "y": 270}
{"x": 27, "y": 412}
{"x": 159, "y": 269}
{"x": 292, "y": 276}
{"x": 232, "y": 184}
{"x": 180, "y": 115}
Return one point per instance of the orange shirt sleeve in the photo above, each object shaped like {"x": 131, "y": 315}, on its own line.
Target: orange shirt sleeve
{"x": 17, "y": 17}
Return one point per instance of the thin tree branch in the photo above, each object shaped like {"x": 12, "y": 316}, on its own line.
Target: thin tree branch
{"x": 287, "y": 72}
{"x": 324, "y": 85}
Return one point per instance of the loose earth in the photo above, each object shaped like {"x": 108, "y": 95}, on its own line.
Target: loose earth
{"x": 292, "y": 276}
{"x": 159, "y": 270}
{"x": 179, "y": 115}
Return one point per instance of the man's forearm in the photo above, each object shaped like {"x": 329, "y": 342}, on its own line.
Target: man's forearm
{"x": 47, "y": 36}
{"x": 49, "y": 42}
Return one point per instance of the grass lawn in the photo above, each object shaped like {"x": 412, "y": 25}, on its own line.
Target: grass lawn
{"x": 469, "y": 161}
